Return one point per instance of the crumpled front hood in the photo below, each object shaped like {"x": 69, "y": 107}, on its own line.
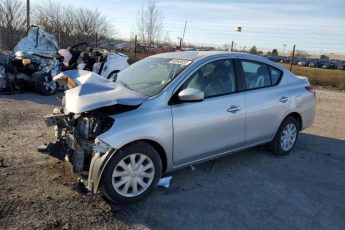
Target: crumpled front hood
{"x": 94, "y": 91}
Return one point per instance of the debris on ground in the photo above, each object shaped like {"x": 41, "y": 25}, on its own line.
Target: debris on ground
{"x": 2, "y": 163}
{"x": 80, "y": 187}
{"x": 164, "y": 182}
{"x": 43, "y": 148}
{"x": 66, "y": 226}
{"x": 54, "y": 149}
{"x": 192, "y": 167}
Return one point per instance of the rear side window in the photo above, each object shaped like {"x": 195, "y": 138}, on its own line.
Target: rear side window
{"x": 256, "y": 74}
{"x": 275, "y": 75}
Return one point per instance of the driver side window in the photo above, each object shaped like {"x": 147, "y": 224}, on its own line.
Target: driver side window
{"x": 214, "y": 79}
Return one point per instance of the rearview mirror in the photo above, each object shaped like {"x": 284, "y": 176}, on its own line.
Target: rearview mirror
{"x": 191, "y": 94}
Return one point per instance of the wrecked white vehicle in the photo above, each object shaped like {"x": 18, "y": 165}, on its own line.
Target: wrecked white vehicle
{"x": 33, "y": 64}
{"x": 97, "y": 60}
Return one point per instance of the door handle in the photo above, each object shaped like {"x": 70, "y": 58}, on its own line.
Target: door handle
{"x": 283, "y": 99}
{"x": 234, "y": 109}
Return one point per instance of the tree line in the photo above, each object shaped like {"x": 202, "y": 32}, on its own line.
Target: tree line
{"x": 70, "y": 25}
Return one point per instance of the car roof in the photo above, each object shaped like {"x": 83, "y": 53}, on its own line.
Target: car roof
{"x": 192, "y": 55}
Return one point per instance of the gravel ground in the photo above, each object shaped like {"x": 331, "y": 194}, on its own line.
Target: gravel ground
{"x": 251, "y": 189}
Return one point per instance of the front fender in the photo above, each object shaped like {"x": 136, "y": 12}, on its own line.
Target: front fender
{"x": 97, "y": 166}
{"x": 154, "y": 125}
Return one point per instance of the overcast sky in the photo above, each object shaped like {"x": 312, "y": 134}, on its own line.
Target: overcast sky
{"x": 313, "y": 25}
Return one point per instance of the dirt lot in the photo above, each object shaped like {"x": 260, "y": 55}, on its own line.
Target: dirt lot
{"x": 247, "y": 190}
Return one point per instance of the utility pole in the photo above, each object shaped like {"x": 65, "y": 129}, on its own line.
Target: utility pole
{"x": 284, "y": 49}
{"x": 292, "y": 57}
{"x": 135, "y": 47}
{"x": 179, "y": 40}
{"x": 237, "y": 30}
{"x": 232, "y": 46}
{"x": 184, "y": 31}
{"x": 27, "y": 13}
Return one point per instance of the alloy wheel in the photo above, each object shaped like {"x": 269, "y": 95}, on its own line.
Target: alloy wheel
{"x": 288, "y": 136}
{"x": 133, "y": 175}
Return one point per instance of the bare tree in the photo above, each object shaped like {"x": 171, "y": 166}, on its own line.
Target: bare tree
{"x": 253, "y": 50}
{"x": 167, "y": 39}
{"x": 275, "y": 52}
{"x": 72, "y": 25}
{"x": 12, "y": 22}
{"x": 149, "y": 23}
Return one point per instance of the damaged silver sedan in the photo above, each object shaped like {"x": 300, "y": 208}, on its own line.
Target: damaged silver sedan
{"x": 176, "y": 109}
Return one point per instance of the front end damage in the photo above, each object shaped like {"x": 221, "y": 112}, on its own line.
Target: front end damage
{"x": 77, "y": 137}
{"x": 78, "y": 132}
{"x": 86, "y": 112}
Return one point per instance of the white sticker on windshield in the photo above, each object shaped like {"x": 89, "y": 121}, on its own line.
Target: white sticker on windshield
{"x": 180, "y": 62}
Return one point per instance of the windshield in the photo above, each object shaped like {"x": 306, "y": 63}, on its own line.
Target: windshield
{"x": 150, "y": 75}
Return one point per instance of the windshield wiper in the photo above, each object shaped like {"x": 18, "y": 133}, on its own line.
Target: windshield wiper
{"x": 125, "y": 85}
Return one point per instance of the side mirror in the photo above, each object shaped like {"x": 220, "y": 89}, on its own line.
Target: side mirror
{"x": 191, "y": 95}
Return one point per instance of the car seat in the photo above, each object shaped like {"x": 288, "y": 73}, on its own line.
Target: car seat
{"x": 262, "y": 78}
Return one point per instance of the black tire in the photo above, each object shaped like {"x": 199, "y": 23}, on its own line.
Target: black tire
{"x": 40, "y": 82}
{"x": 137, "y": 147}
{"x": 111, "y": 77}
{"x": 276, "y": 145}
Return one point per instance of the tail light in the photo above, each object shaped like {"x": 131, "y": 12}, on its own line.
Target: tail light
{"x": 311, "y": 89}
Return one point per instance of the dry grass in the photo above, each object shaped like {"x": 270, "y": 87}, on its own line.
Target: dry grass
{"x": 321, "y": 77}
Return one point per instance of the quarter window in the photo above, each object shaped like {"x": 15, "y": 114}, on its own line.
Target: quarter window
{"x": 275, "y": 75}
{"x": 214, "y": 79}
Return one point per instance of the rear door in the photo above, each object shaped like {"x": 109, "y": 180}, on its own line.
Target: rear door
{"x": 216, "y": 124}
{"x": 267, "y": 100}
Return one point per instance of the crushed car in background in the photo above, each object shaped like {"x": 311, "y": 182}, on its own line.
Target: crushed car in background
{"x": 33, "y": 64}
{"x": 100, "y": 61}
{"x": 37, "y": 58}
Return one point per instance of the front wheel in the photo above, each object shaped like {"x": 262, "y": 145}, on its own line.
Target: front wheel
{"x": 132, "y": 173}
{"x": 45, "y": 85}
{"x": 286, "y": 137}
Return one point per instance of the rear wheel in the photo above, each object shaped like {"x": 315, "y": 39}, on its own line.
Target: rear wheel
{"x": 45, "y": 85}
{"x": 286, "y": 137}
{"x": 132, "y": 173}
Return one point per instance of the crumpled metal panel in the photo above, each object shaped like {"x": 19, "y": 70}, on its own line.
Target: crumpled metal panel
{"x": 38, "y": 41}
{"x": 94, "y": 91}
